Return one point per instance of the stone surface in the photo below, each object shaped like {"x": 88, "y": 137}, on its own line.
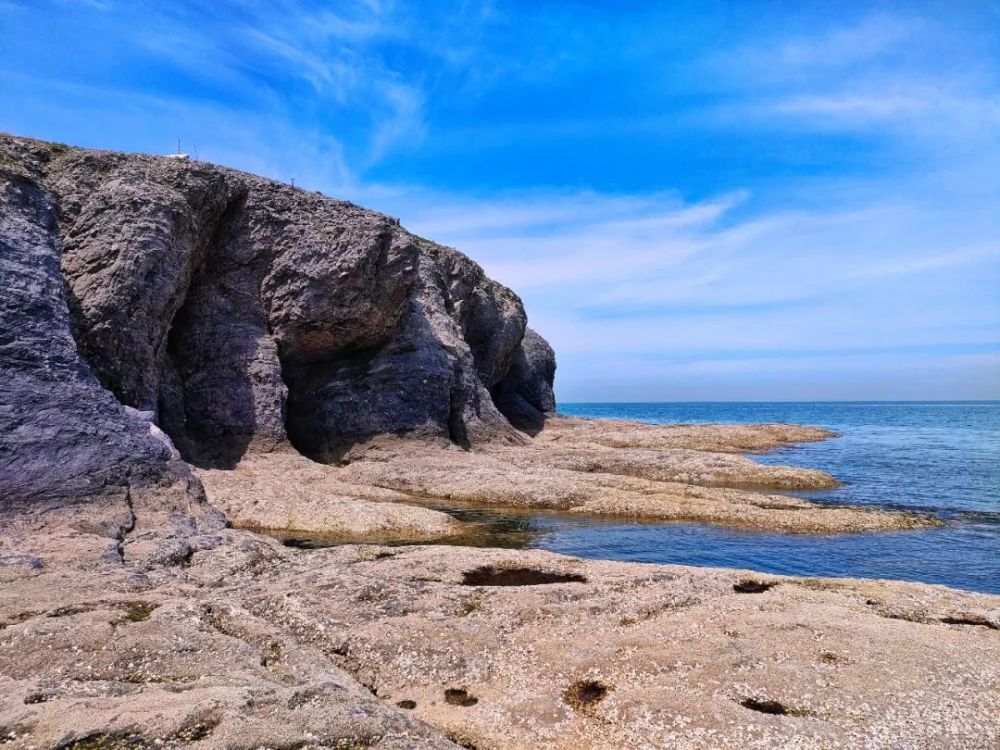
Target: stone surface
{"x": 248, "y": 644}
{"x": 669, "y": 473}
{"x": 282, "y": 491}
{"x": 674, "y": 657}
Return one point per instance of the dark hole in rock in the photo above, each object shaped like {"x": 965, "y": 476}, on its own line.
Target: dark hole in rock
{"x": 585, "y": 694}
{"x": 459, "y": 697}
{"x": 752, "y": 587}
{"x": 139, "y": 611}
{"x": 196, "y": 732}
{"x": 764, "y": 706}
{"x": 488, "y": 575}
{"x": 99, "y": 741}
{"x": 407, "y": 704}
{"x": 460, "y": 739}
{"x": 981, "y": 621}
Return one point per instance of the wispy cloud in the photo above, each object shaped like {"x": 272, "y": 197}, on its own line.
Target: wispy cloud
{"x": 676, "y": 195}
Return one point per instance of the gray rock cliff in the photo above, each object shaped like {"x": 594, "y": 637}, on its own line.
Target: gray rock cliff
{"x": 235, "y": 312}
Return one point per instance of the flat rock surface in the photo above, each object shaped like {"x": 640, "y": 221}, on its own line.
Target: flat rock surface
{"x": 602, "y": 467}
{"x": 249, "y": 644}
{"x": 283, "y": 491}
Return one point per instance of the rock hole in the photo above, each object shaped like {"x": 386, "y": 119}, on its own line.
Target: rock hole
{"x": 460, "y": 739}
{"x": 101, "y": 741}
{"x": 488, "y": 575}
{"x": 750, "y": 586}
{"x": 973, "y": 620}
{"x": 139, "y": 611}
{"x": 407, "y": 704}
{"x": 459, "y": 697}
{"x": 583, "y": 695}
{"x": 765, "y": 706}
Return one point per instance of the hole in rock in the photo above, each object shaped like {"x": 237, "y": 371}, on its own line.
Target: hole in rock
{"x": 459, "y": 697}
{"x": 752, "y": 587}
{"x": 488, "y": 575}
{"x": 69, "y": 610}
{"x": 585, "y": 694}
{"x": 765, "y": 706}
{"x": 139, "y": 611}
{"x": 460, "y": 739}
{"x": 407, "y": 704}
{"x": 981, "y": 621}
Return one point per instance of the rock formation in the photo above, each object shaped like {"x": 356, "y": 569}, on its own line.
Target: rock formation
{"x": 238, "y": 311}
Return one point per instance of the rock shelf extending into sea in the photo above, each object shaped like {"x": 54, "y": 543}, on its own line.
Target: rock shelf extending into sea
{"x": 668, "y": 473}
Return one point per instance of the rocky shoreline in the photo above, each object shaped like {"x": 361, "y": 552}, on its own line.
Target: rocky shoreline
{"x": 189, "y": 633}
{"x": 592, "y": 467}
{"x": 189, "y": 353}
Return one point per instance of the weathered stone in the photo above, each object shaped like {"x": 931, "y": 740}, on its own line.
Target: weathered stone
{"x": 246, "y": 313}
{"x": 525, "y": 394}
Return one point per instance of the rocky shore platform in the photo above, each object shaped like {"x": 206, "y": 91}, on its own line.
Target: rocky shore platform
{"x": 186, "y": 633}
{"x": 174, "y": 630}
{"x": 190, "y": 356}
{"x": 594, "y": 467}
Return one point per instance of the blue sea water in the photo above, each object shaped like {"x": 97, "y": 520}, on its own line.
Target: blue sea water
{"x": 941, "y": 458}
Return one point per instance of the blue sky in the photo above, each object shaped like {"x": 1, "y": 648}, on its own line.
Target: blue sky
{"x": 696, "y": 201}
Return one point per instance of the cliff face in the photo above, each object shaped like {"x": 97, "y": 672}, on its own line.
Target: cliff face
{"x": 233, "y": 312}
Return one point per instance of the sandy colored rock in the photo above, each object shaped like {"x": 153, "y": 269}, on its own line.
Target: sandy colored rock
{"x": 718, "y": 438}
{"x": 283, "y": 491}
{"x": 247, "y": 643}
{"x": 675, "y": 657}
{"x": 672, "y": 476}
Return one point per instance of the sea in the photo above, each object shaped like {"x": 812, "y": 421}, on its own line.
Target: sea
{"x": 937, "y": 458}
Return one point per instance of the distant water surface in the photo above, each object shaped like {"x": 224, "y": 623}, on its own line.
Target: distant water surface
{"x": 934, "y": 457}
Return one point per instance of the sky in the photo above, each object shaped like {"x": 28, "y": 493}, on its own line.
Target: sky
{"x": 703, "y": 200}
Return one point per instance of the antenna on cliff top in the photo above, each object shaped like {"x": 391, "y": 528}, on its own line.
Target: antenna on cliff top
{"x": 293, "y": 182}
{"x": 178, "y": 144}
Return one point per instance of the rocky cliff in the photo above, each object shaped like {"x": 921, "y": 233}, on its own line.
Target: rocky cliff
{"x": 232, "y": 312}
